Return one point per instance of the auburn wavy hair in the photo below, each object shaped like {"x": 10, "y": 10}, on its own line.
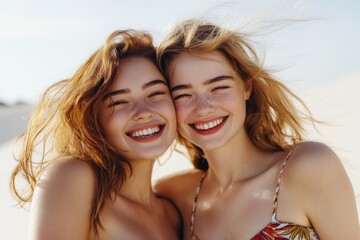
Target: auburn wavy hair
{"x": 273, "y": 122}
{"x": 66, "y": 123}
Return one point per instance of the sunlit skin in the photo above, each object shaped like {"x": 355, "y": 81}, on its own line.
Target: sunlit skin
{"x": 138, "y": 116}
{"x": 210, "y": 105}
{"x": 236, "y": 200}
{"x": 139, "y": 119}
{"x": 138, "y": 113}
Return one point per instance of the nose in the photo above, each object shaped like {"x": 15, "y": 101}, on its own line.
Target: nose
{"x": 142, "y": 111}
{"x": 204, "y": 105}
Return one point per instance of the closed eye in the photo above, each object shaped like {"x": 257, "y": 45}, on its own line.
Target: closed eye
{"x": 118, "y": 102}
{"x": 220, "y": 88}
{"x": 181, "y": 96}
{"x": 157, "y": 93}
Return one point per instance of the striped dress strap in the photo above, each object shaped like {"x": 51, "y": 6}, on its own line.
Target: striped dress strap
{"x": 193, "y": 211}
{"x": 278, "y": 183}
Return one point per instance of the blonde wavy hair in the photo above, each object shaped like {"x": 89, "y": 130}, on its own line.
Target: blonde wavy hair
{"x": 273, "y": 122}
{"x": 66, "y": 122}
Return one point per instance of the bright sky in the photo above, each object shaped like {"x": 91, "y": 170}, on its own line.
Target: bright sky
{"x": 45, "y": 41}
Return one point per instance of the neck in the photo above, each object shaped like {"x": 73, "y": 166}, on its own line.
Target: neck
{"x": 137, "y": 187}
{"x": 238, "y": 160}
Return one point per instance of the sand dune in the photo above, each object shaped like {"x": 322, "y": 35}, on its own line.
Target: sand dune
{"x": 13, "y": 121}
{"x": 13, "y": 220}
{"x": 337, "y": 103}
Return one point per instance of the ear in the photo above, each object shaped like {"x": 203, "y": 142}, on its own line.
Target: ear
{"x": 248, "y": 89}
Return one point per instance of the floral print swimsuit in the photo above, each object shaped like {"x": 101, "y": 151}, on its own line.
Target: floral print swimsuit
{"x": 275, "y": 230}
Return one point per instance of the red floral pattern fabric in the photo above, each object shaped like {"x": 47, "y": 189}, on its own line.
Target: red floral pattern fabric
{"x": 284, "y": 231}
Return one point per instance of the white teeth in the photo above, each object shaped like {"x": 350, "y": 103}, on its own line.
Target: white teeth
{"x": 145, "y": 132}
{"x": 206, "y": 126}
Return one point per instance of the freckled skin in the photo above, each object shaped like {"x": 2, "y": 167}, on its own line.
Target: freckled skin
{"x": 237, "y": 194}
{"x": 204, "y": 101}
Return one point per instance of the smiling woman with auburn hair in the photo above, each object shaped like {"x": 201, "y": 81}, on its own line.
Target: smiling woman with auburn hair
{"x": 98, "y": 135}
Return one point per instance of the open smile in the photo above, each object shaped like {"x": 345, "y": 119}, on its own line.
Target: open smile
{"x": 147, "y": 133}
{"x": 209, "y": 127}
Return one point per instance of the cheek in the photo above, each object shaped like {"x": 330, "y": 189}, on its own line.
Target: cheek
{"x": 114, "y": 123}
{"x": 165, "y": 107}
{"x": 170, "y": 114}
{"x": 233, "y": 100}
{"x": 182, "y": 111}
{"x": 237, "y": 104}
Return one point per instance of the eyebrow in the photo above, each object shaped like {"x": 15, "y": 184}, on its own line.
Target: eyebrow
{"x": 116, "y": 92}
{"x": 152, "y": 83}
{"x": 180, "y": 87}
{"x": 207, "y": 82}
{"x": 127, "y": 90}
{"x": 218, "y": 79}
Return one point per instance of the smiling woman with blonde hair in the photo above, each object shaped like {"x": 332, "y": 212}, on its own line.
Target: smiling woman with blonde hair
{"x": 255, "y": 177}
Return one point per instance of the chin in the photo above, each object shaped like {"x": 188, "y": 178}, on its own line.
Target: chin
{"x": 151, "y": 155}
{"x": 151, "y": 158}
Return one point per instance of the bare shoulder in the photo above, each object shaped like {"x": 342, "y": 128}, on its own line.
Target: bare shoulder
{"x": 314, "y": 149}
{"x": 62, "y": 200}
{"x": 309, "y": 159}
{"x": 71, "y": 165}
{"x": 178, "y": 183}
{"x": 319, "y": 184}
{"x": 70, "y": 171}
{"x": 179, "y": 188}
{"x": 74, "y": 177}
{"x": 311, "y": 169}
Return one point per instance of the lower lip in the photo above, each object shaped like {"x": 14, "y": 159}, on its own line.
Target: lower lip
{"x": 149, "y": 138}
{"x": 210, "y": 130}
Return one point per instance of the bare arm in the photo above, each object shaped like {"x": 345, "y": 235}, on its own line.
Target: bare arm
{"x": 180, "y": 189}
{"x": 61, "y": 204}
{"x": 330, "y": 203}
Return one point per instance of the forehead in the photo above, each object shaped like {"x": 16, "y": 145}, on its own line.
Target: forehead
{"x": 199, "y": 66}
{"x": 135, "y": 71}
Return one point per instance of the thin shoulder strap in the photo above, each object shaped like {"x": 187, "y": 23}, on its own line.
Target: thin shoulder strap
{"x": 274, "y": 217}
{"x": 193, "y": 211}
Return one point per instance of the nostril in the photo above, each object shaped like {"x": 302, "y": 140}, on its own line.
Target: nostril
{"x": 204, "y": 106}
{"x": 144, "y": 114}
{"x": 142, "y": 110}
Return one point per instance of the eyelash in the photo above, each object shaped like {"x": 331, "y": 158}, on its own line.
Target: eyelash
{"x": 156, "y": 93}
{"x": 220, "y": 88}
{"x": 114, "y": 103}
{"x": 188, "y": 95}
{"x": 181, "y": 96}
